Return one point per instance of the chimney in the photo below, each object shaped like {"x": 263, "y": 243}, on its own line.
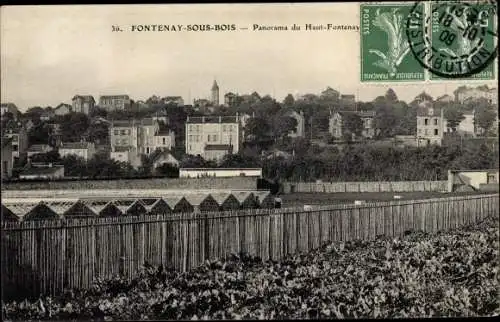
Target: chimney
{"x": 220, "y": 119}
{"x": 203, "y": 119}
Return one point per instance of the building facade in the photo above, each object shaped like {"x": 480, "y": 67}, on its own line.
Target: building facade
{"x": 7, "y": 163}
{"x": 467, "y": 126}
{"x": 230, "y": 99}
{"x": 348, "y": 100}
{"x": 62, "y": 109}
{"x": 84, "y": 150}
{"x": 139, "y": 137}
{"x": 114, "y": 102}
{"x": 336, "y": 123}
{"x": 431, "y": 125}
{"x": 330, "y": 94}
{"x": 126, "y": 154}
{"x": 213, "y": 137}
{"x": 464, "y": 93}
{"x": 173, "y": 100}
{"x": 17, "y": 132}
{"x": 301, "y": 127}
{"x": 83, "y": 104}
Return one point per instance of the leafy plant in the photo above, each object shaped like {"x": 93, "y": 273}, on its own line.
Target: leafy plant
{"x": 417, "y": 275}
{"x": 392, "y": 24}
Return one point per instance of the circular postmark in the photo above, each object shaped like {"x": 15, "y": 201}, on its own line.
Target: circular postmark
{"x": 456, "y": 39}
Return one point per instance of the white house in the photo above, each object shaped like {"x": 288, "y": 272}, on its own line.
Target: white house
{"x": 85, "y": 150}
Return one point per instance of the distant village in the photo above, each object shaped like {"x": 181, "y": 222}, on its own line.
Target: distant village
{"x": 134, "y": 132}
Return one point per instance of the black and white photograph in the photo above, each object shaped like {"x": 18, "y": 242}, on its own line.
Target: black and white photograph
{"x": 249, "y": 161}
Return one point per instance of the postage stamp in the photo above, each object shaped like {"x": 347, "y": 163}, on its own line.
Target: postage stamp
{"x": 460, "y": 40}
{"x": 484, "y": 30}
{"x": 385, "y": 50}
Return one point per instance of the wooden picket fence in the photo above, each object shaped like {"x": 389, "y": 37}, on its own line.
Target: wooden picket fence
{"x": 45, "y": 257}
{"x": 366, "y": 186}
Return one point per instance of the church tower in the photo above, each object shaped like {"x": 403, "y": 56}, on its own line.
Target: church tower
{"x": 215, "y": 94}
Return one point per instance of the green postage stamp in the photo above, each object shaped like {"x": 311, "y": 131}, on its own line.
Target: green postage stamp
{"x": 457, "y": 30}
{"x": 385, "y": 50}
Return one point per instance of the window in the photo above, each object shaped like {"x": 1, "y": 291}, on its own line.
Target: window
{"x": 419, "y": 131}
{"x": 426, "y": 132}
{"x": 190, "y": 148}
{"x": 491, "y": 178}
{"x": 191, "y": 127}
{"x": 128, "y": 132}
{"x": 190, "y": 138}
{"x": 122, "y": 132}
{"x": 14, "y": 148}
{"x": 214, "y": 138}
{"x": 164, "y": 141}
{"x": 117, "y": 132}
{"x": 435, "y": 121}
{"x": 426, "y": 121}
{"x": 224, "y": 128}
{"x": 436, "y": 132}
{"x": 147, "y": 150}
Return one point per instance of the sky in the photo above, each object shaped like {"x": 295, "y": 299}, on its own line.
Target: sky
{"x": 51, "y": 53}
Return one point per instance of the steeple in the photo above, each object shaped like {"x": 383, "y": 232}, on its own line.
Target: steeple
{"x": 215, "y": 87}
{"x": 215, "y": 94}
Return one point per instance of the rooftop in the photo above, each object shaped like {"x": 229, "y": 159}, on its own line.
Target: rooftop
{"x": 212, "y": 119}
{"x": 424, "y": 111}
{"x": 115, "y": 96}
{"x": 75, "y": 145}
{"x": 218, "y": 147}
{"x": 130, "y": 123}
{"x": 84, "y": 97}
{"x": 360, "y": 113}
{"x": 39, "y": 148}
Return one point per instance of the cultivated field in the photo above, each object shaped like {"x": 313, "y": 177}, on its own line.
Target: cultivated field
{"x": 448, "y": 274}
{"x": 299, "y": 199}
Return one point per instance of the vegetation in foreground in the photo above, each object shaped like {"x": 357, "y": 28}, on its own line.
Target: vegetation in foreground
{"x": 419, "y": 275}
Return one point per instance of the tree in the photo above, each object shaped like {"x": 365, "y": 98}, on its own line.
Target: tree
{"x": 38, "y": 134}
{"x": 423, "y": 97}
{"x": 34, "y": 112}
{"x": 74, "y": 166}
{"x": 289, "y": 100}
{"x": 385, "y": 119}
{"x": 453, "y": 117}
{"x": 484, "y": 118}
{"x": 391, "y": 96}
{"x": 237, "y": 161}
{"x": 98, "y": 132}
{"x": 352, "y": 126}
{"x": 282, "y": 125}
{"x": 257, "y": 129}
{"x": 168, "y": 170}
{"x": 74, "y": 126}
{"x": 49, "y": 157}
